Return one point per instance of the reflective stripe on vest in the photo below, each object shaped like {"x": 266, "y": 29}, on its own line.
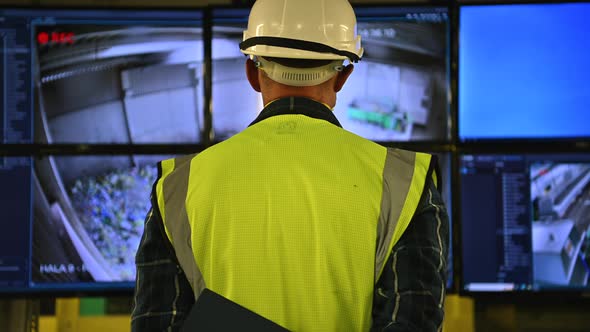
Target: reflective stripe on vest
{"x": 404, "y": 177}
{"x": 171, "y": 191}
{"x": 401, "y": 179}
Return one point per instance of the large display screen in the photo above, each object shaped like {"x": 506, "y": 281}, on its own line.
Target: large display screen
{"x": 75, "y": 221}
{"x": 525, "y": 222}
{"x": 523, "y": 71}
{"x": 101, "y": 76}
{"x": 397, "y": 92}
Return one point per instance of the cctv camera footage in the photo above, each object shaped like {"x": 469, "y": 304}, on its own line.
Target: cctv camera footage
{"x": 129, "y": 84}
{"x": 530, "y": 229}
{"x": 560, "y": 197}
{"x": 75, "y": 221}
{"x": 92, "y": 210}
{"x": 397, "y": 92}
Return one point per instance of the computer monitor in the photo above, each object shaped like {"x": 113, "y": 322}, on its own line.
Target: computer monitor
{"x": 75, "y": 221}
{"x": 525, "y": 222}
{"x": 399, "y": 91}
{"x": 101, "y": 76}
{"x": 523, "y": 71}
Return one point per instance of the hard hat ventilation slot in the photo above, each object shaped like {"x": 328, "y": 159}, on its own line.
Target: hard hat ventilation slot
{"x": 302, "y": 76}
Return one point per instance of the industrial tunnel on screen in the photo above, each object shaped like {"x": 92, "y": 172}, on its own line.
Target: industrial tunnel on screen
{"x": 120, "y": 84}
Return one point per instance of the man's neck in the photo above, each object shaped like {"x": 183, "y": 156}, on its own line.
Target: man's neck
{"x": 319, "y": 93}
{"x": 272, "y": 101}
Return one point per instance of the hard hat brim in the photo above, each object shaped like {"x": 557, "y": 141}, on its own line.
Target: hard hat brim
{"x": 295, "y": 48}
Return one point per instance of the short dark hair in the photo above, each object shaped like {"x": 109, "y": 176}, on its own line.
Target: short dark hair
{"x": 299, "y": 63}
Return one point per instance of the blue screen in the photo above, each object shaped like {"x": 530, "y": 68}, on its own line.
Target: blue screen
{"x": 523, "y": 71}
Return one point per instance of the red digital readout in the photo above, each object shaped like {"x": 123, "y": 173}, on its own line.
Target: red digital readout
{"x": 43, "y": 38}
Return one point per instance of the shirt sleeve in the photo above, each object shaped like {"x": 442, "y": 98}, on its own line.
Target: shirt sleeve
{"x": 409, "y": 295}
{"x": 163, "y": 295}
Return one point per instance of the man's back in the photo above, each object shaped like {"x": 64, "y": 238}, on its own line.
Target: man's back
{"x": 285, "y": 230}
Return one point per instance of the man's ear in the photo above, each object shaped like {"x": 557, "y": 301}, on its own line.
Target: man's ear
{"x": 252, "y": 74}
{"x": 342, "y": 77}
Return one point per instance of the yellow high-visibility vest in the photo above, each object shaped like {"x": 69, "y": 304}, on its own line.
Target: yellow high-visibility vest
{"x": 293, "y": 218}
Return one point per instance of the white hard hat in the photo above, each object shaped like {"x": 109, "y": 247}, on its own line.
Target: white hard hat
{"x": 303, "y": 29}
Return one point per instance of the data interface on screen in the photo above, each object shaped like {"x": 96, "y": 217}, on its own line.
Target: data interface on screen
{"x": 101, "y": 76}
{"x": 523, "y": 71}
{"x": 75, "y": 221}
{"x": 525, "y": 222}
{"x": 397, "y": 92}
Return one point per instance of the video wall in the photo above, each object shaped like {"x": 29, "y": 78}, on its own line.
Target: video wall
{"x": 524, "y": 209}
{"x": 80, "y": 78}
{"x": 92, "y": 99}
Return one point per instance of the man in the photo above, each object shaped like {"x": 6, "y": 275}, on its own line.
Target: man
{"x": 295, "y": 218}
